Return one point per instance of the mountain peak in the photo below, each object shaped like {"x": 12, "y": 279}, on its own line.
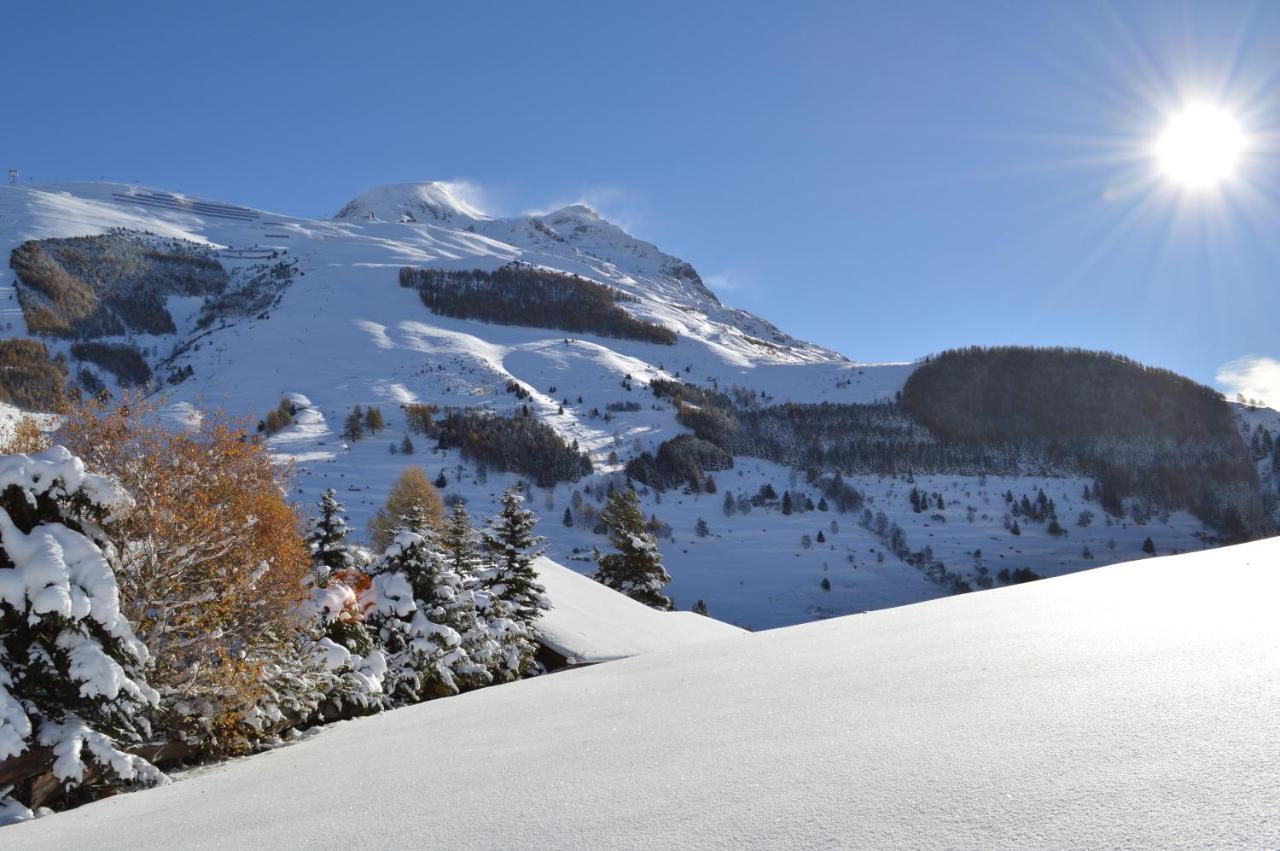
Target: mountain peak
{"x": 428, "y": 202}
{"x": 577, "y": 211}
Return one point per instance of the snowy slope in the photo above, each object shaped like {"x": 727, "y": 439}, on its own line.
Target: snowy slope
{"x": 345, "y": 333}
{"x": 1132, "y": 705}
{"x": 589, "y": 623}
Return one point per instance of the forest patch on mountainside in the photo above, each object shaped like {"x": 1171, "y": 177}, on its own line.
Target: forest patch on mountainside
{"x": 520, "y": 294}
{"x": 111, "y": 284}
{"x": 1143, "y": 434}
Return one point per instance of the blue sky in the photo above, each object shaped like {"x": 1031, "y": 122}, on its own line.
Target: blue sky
{"x": 885, "y": 179}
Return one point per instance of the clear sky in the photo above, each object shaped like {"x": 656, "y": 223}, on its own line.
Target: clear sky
{"x": 886, "y": 179}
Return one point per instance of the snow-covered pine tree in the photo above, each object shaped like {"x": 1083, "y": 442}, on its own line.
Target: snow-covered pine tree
{"x": 70, "y": 664}
{"x": 352, "y": 663}
{"x": 636, "y": 569}
{"x": 511, "y": 597}
{"x": 458, "y": 601}
{"x": 512, "y": 547}
{"x": 328, "y": 538}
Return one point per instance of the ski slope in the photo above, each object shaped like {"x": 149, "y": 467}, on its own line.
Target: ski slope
{"x": 1133, "y": 705}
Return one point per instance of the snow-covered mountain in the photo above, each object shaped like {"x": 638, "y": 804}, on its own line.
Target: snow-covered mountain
{"x": 1128, "y": 706}
{"x": 432, "y": 202}
{"x": 314, "y": 312}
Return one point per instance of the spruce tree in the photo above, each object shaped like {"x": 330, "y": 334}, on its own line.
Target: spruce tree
{"x": 568, "y": 517}
{"x": 512, "y": 547}
{"x": 786, "y": 502}
{"x": 456, "y": 598}
{"x": 406, "y": 446}
{"x": 700, "y": 608}
{"x": 510, "y": 595}
{"x": 328, "y": 538}
{"x": 636, "y": 569}
{"x": 70, "y": 664}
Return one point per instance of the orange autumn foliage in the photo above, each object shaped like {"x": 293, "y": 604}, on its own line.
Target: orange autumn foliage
{"x": 214, "y": 563}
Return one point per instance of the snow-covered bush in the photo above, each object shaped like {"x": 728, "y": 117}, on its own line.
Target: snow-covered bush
{"x": 423, "y": 653}
{"x": 70, "y": 665}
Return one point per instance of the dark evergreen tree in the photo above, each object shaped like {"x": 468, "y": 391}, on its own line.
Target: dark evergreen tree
{"x": 1149, "y": 547}
{"x": 328, "y": 538}
{"x": 513, "y": 546}
{"x": 700, "y": 608}
{"x": 441, "y": 482}
{"x": 353, "y": 429}
{"x": 406, "y": 446}
{"x": 568, "y": 517}
{"x": 786, "y": 502}
{"x": 636, "y": 568}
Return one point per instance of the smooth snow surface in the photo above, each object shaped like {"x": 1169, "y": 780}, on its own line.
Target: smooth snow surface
{"x": 589, "y": 623}
{"x": 1133, "y": 705}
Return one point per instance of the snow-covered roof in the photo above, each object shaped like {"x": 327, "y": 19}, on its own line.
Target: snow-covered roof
{"x": 1130, "y": 705}
{"x": 590, "y": 623}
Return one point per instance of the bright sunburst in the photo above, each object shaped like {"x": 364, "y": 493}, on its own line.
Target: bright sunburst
{"x": 1200, "y": 147}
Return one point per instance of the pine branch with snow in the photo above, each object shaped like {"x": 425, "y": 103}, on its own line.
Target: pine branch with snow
{"x": 71, "y": 668}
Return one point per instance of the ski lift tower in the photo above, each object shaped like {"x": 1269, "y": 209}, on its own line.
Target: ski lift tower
{"x": 13, "y": 177}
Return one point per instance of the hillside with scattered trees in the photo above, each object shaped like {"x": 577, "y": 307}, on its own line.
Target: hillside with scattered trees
{"x": 1138, "y": 430}
{"x": 1140, "y": 433}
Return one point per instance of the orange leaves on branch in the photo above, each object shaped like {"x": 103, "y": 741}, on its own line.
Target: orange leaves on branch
{"x": 214, "y": 562}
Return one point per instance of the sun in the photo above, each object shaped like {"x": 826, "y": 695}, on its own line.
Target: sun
{"x": 1200, "y": 147}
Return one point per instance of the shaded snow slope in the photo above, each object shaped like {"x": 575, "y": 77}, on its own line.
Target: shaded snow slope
{"x": 1133, "y": 705}
{"x": 590, "y": 623}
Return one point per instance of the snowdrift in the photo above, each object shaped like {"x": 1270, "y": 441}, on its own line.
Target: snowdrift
{"x": 1130, "y": 705}
{"x": 590, "y": 623}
